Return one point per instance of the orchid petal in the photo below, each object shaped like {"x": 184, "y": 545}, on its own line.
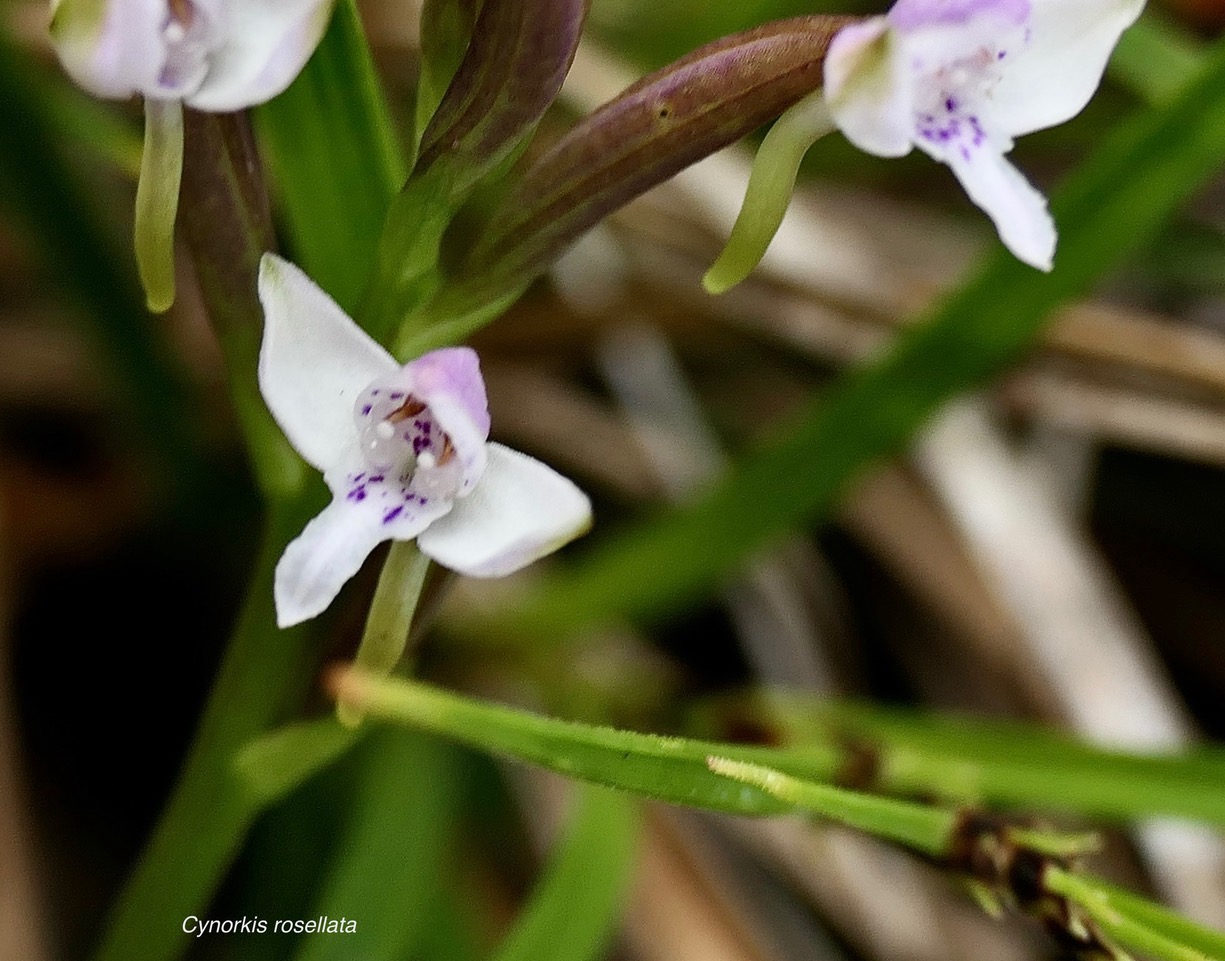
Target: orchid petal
{"x": 868, "y": 90}
{"x": 919, "y": 14}
{"x": 267, "y": 43}
{"x": 314, "y": 363}
{"x": 332, "y": 547}
{"x": 1014, "y": 206}
{"x": 112, "y": 48}
{"x": 1054, "y": 77}
{"x": 449, "y": 383}
{"x": 520, "y": 511}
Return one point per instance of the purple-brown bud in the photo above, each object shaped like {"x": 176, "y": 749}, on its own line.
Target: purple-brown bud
{"x": 654, "y": 129}
{"x": 511, "y": 72}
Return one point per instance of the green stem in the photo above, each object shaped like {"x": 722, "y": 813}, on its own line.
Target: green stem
{"x": 261, "y": 682}
{"x": 1118, "y": 923}
{"x": 771, "y": 184}
{"x": 266, "y": 671}
{"x": 157, "y": 200}
{"x": 390, "y": 617}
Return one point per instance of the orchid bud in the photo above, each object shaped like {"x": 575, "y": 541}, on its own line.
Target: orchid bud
{"x": 512, "y": 71}
{"x": 653, "y": 130}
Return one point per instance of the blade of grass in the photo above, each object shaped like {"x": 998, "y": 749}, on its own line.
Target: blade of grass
{"x": 391, "y": 856}
{"x": 995, "y": 762}
{"x": 1134, "y": 181}
{"x": 667, "y": 768}
{"x": 1165, "y": 922}
{"x": 1130, "y": 921}
{"x": 336, "y": 157}
{"x": 1155, "y": 59}
{"x": 571, "y": 913}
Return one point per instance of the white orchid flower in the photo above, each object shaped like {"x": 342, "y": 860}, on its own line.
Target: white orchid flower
{"x": 212, "y": 55}
{"x": 403, "y": 450}
{"x": 960, "y": 78}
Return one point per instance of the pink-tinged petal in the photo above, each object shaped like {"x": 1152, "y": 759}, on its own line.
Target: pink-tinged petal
{"x": 365, "y": 511}
{"x": 1014, "y": 206}
{"x": 1056, "y": 74}
{"x": 112, "y": 48}
{"x": 266, "y": 45}
{"x": 918, "y": 14}
{"x": 868, "y": 90}
{"x": 519, "y": 512}
{"x": 313, "y": 364}
{"x": 449, "y": 382}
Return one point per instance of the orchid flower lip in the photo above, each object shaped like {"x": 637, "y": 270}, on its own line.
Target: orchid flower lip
{"x": 404, "y": 450}
{"x": 960, "y": 78}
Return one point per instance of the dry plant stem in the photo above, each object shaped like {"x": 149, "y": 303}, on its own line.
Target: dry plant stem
{"x": 673, "y": 913}
{"x": 1077, "y": 626}
{"x": 889, "y": 512}
{"x": 841, "y": 872}
{"x": 1159, "y": 355}
{"x": 265, "y": 671}
{"x": 766, "y": 604}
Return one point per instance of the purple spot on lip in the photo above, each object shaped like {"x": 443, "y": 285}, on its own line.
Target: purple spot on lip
{"x": 377, "y": 479}
{"x": 950, "y": 104}
{"x": 366, "y": 408}
{"x": 358, "y": 477}
{"x": 357, "y": 495}
{"x": 1001, "y": 55}
{"x": 396, "y": 395}
{"x": 392, "y": 514}
{"x": 374, "y": 393}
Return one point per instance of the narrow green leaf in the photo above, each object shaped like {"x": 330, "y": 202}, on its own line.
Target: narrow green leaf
{"x": 390, "y": 859}
{"x": 336, "y": 158}
{"x": 1134, "y": 924}
{"x": 95, "y": 126}
{"x": 446, "y": 28}
{"x": 1156, "y": 59}
{"x": 668, "y": 768}
{"x": 573, "y": 909}
{"x": 1000, "y": 763}
{"x": 1165, "y": 922}
{"x": 1110, "y": 207}
{"x": 926, "y": 829}
{"x": 272, "y": 766}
